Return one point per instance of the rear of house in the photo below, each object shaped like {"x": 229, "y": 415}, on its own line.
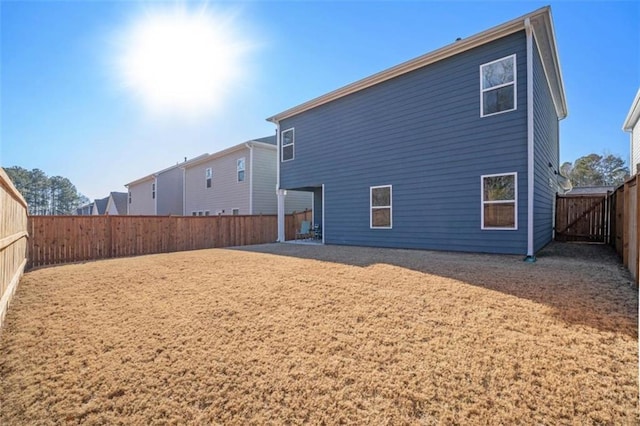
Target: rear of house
{"x": 455, "y": 150}
{"x": 240, "y": 180}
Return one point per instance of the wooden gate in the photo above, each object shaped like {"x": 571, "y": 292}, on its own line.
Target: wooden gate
{"x": 582, "y": 218}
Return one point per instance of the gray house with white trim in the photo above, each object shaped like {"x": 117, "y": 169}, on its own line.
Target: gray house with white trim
{"x": 240, "y": 180}
{"x": 457, "y": 149}
{"x": 159, "y": 193}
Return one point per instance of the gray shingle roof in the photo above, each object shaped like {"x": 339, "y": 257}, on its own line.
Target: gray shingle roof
{"x": 101, "y": 205}
{"x": 267, "y": 139}
{"x": 120, "y": 200}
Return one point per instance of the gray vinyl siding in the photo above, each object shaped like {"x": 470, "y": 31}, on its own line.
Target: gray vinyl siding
{"x": 546, "y": 151}
{"x": 422, "y": 133}
{"x": 169, "y": 192}
{"x": 265, "y": 200}
{"x": 264, "y": 181}
{"x": 142, "y": 202}
{"x": 226, "y": 193}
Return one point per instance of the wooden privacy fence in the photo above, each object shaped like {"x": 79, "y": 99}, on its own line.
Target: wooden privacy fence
{"x": 582, "y": 218}
{"x": 66, "y": 239}
{"x": 625, "y": 221}
{"x": 13, "y": 240}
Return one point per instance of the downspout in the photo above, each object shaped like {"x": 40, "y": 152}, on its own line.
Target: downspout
{"x": 530, "y": 142}
{"x": 250, "y": 146}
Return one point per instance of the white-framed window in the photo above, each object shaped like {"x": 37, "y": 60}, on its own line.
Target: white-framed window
{"x": 208, "y": 177}
{"x": 206, "y": 212}
{"x": 498, "y": 86}
{"x": 499, "y": 201}
{"x": 129, "y": 197}
{"x": 240, "y": 169}
{"x": 380, "y": 203}
{"x": 153, "y": 191}
{"x": 288, "y": 141}
{"x": 194, "y": 213}
{"x": 200, "y": 213}
{"x": 235, "y": 212}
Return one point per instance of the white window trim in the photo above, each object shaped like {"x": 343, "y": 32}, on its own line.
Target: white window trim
{"x": 293, "y": 138}
{"x": 514, "y": 83}
{"x": 371, "y": 207}
{"x": 235, "y": 209}
{"x": 483, "y": 202}
{"x": 238, "y": 169}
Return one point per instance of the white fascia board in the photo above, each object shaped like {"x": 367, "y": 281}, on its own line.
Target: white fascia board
{"x": 633, "y": 115}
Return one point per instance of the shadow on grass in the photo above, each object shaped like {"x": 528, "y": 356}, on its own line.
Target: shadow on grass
{"x": 584, "y": 284}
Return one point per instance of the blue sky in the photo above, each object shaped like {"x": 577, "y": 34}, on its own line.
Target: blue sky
{"x": 65, "y": 109}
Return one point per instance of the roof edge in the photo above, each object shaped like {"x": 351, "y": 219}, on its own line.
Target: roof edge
{"x": 227, "y": 151}
{"x": 546, "y": 41}
{"x": 447, "y": 51}
{"x": 633, "y": 115}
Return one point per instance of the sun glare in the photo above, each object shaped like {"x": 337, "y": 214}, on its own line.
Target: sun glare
{"x": 182, "y": 62}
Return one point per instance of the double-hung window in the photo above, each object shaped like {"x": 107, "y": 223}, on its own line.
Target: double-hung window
{"x": 208, "y": 176}
{"x": 498, "y": 86}
{"x": 240, "y": 169}
{"x": 288, "y": 142}
{"x": 380, "y": 207}
{"x": 499, "y": 201}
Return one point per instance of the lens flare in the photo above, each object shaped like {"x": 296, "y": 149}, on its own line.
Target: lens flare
{"x": 178, "y": 61}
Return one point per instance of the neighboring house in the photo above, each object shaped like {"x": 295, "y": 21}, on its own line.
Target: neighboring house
{"x": 117, "y": 203}
{"x": 114, "y": 204}
{"x": 159, "y": 193}
{"x": 240, "y": 180}
{"x": 454, "y": 150}
{"x": 85, "y": 210}
{"x": 631, "y": 126}
{"x": 100, "y": 206}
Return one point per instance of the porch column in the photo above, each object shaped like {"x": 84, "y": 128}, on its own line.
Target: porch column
{"x": 282, "y": 193}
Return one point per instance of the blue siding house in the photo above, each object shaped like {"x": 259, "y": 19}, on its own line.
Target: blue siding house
{"x": 454, "y": 150}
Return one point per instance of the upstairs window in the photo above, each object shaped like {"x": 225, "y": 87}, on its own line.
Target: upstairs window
{"x": 498, "y": 86}
{"x": 129, "y": 197}
{"x": 235, "y": 212}
{"x": 153, "y": 191}
{"x": 499, "y": 201}
{"x": 240, "y": 169}
{"x": 208, "y": 176}
{"x": 380, "y": 204}
{"x": 287, "y": 145}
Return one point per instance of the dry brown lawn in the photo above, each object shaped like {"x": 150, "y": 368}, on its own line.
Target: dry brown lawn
{"x": 323, "y": 334}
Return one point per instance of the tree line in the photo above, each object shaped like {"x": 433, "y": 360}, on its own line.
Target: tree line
{"x": 596, "y": 170}
{"x": 45, "y": 195}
